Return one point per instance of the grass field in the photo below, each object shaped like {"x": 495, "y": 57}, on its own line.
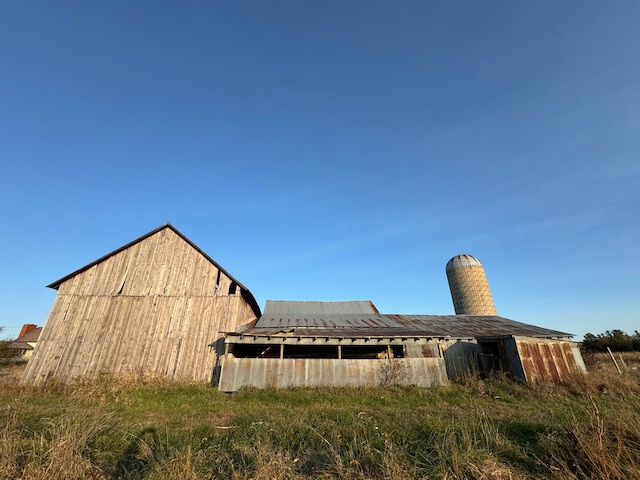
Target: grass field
{"x": 587, "y": 428}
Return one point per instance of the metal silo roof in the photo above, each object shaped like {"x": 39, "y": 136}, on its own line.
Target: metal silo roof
{"x": 464, "y": 260}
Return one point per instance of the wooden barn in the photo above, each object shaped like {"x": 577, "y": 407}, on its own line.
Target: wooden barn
{"x": 151, "y": 308}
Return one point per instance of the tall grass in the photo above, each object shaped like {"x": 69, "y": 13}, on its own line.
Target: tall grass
{"x": 136, "y": 428}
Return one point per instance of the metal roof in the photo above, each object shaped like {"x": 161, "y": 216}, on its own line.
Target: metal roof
{"x": 279, "y": 308}
{"x": 331, "y": 320}
{"x": 476, "y": 326}
{"x": 464, "y": 260}
{"x": 393, "y": 325}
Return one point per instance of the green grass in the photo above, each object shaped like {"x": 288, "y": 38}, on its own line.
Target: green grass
{"x": 587, "y": 428}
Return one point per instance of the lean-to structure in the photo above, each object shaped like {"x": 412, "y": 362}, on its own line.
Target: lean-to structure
{"x": 313, "y": 344}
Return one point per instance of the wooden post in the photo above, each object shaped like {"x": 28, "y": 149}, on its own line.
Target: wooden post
{"x": 614, "y": 361}
{"x": 624, "y": 365}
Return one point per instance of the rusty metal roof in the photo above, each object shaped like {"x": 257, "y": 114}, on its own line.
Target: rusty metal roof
{"x": 476, "y": 326}
{"x": 393, "y": 325}
{"x": 335, "y": 320}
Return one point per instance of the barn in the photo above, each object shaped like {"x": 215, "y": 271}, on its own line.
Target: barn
{"x": 151, "y": 308}
{"x": 161, "y": 307}
{"x": 313, "y": 344}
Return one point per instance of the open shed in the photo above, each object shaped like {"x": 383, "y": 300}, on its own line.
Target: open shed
{"x": 296, "y": 344}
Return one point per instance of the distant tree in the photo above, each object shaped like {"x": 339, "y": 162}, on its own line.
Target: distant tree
{"x": 591, "y": 342}
{"x": 5, "y": 351}
{"x": 616, "y": 340}
{"x": 620, "y": 341}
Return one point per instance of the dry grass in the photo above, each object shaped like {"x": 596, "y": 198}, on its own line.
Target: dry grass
{"x": 628, "y": 361}
{"x": 142, "y": 428}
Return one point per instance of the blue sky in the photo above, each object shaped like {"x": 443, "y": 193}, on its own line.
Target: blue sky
{"x": 330, "y": 150}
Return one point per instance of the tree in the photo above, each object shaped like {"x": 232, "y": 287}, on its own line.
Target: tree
{"x": 620, "y": 341}
{"x": 591, "y": 342}
{"x": 5, "y": 351}
{"x": 616, "y": 340}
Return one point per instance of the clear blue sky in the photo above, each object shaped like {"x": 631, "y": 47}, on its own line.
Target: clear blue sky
{"x": 332, "y": 150}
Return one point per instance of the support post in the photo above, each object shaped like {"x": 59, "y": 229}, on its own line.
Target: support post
{"x": 614, "y": 361}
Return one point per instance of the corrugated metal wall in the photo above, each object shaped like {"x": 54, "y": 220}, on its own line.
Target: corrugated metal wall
{"x": 151, "y": 309}
{"x": 548, "y": 359}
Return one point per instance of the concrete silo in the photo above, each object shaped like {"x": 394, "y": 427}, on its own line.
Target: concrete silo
{"x": 469, "y": 287}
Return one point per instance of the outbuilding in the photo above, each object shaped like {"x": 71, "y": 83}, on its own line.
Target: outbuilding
{"x": 312, "y": 344}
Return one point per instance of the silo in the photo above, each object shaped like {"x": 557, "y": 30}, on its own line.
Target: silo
{"x": 469, "y": 287}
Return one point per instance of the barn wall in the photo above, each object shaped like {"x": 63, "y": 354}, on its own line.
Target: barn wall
{"x": 462, "y": 357}
{"x": 151, "y": 309}
{"x": 304, "y": 372}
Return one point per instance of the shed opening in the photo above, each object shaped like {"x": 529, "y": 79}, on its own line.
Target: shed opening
{"x": 355, "y": 352}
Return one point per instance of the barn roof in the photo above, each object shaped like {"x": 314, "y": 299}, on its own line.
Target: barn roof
{"x": 317, "y": 319}
{"x": 281, "y": 307}
{"x": 246, "y": 294}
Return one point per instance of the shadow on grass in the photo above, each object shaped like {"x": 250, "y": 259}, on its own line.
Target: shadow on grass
{"x": 525, "y": 436}
{"x": 139, "y": 456}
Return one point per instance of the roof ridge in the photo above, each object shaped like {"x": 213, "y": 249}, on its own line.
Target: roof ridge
{"x": 249, "y": 296}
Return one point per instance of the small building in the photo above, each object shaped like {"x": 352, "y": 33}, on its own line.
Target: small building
{"x": 26, "y": 341}
{"x": 311, "y": 344}
{"x": 149, "y": 308}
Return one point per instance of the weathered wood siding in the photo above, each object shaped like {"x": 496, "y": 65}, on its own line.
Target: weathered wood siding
{"x": 151, "y": 309}
{"x": 238, "y": 373}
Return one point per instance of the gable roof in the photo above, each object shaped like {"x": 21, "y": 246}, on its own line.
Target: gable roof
{"x": 246, "y": 294}
{"x": 29, "y": 337}
{"x": 318, "y": 319}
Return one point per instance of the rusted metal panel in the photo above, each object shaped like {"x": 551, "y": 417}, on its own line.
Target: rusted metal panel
{"x": 548, "y": 360}
{"x": 302, "y": 372}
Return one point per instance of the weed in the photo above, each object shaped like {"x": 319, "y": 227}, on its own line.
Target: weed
{"x": 144, "y": 428}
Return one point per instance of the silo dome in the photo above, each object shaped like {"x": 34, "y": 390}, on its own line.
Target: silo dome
{"x": 469, "y": 287}
{"x": 464, "y": 260}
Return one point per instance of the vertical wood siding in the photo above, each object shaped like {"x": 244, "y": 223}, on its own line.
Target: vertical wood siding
{"x": 151, "y": 309}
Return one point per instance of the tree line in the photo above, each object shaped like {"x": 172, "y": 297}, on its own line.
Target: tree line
{"x": 616, "y": 340}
